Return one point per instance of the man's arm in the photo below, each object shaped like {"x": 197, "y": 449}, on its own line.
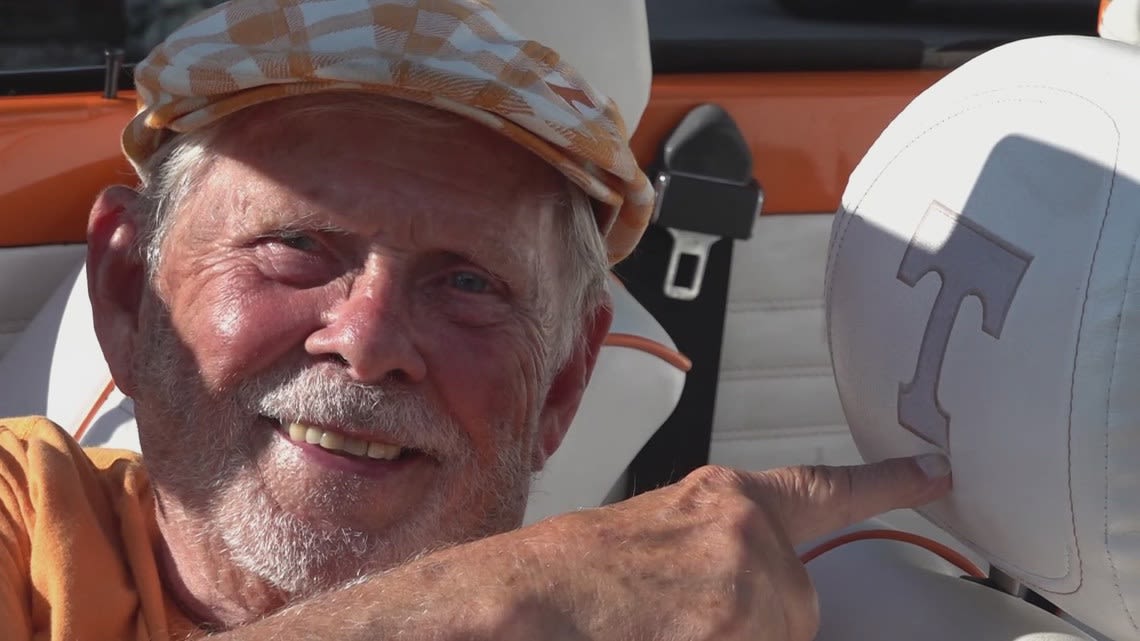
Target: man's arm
{"x": 711, "y": 557}
{"x": 471, "y": 591}
{"x": 15, "y": 600}
{"x": 15, "y": 620}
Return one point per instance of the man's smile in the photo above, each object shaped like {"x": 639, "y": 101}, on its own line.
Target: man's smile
{"x": 340, "y": 443}
{"x": 332, "y": 448}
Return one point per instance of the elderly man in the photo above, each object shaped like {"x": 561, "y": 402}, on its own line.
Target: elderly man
{"x": 356, "y": 301}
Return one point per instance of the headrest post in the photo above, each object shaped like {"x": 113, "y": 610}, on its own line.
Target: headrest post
{"x": 999, "y": 580}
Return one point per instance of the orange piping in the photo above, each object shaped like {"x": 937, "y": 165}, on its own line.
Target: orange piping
{"x": 102, "y": 398}
{"x": 633, "y": 341}
{"x": 948, "y": 554}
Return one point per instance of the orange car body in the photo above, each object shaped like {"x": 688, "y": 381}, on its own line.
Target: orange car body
{"x": 806, "y": 132}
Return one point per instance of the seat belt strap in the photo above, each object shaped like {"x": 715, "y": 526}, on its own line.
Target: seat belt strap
{"x": 706, "y": 198}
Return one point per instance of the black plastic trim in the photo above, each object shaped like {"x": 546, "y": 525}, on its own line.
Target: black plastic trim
{"x": 717, "y": 56}
{"x": 65, "y": 80}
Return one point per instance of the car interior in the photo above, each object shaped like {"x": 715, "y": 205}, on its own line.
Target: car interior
{"x": 784, "y": 293}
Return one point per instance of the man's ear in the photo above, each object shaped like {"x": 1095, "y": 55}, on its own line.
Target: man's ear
{"x": 568, "y": 386}
{"x": 116, "y": 274}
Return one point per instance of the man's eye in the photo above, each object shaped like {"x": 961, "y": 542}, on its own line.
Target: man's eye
{"x": 297, "y": 240}
{"x": 469, "y": 282}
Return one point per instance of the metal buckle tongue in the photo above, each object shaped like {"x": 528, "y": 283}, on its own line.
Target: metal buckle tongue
{"x": 705, "y": 192}
{"x": 687, "y": 243}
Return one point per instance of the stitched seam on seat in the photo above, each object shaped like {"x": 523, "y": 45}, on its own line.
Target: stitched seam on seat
{"x": 1107, "y": 410}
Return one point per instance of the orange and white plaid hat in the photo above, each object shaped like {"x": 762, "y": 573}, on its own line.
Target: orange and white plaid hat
{"x": 455, "y": 55}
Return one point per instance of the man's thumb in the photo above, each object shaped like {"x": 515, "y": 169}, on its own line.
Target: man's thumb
{"x": 812, "y": 501}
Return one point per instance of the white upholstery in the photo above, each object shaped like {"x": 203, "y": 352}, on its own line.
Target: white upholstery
{"x": 890, "y": 591}
{"x": 776, "y": 402}
{"x": 28, "y": 276}
{"x": 55, "y": 367}
{"x": 1012, "y": 186}
{"x": 630, "y": 395}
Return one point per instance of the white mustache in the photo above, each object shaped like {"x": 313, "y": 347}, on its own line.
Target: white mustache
{"x": 315, "y": 396}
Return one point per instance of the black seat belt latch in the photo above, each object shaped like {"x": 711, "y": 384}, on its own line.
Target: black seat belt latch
{"x": 705, "y": 192}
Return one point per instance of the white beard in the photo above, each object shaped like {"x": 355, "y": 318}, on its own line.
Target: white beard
{"x": 215, "y": 476}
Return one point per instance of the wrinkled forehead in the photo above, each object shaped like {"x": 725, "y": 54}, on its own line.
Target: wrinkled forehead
{"x": 376, "y": 134}
{"x": 379, "y": 167}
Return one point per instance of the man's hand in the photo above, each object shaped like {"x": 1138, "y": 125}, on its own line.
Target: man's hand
{"x": 712, "y": 556}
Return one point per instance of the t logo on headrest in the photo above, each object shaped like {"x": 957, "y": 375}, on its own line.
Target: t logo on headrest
{"x": 971, "y": 261}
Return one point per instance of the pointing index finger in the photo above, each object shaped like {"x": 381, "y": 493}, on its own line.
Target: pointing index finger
{"x": 812, "y": 501}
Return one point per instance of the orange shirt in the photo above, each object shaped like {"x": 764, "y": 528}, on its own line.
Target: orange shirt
{"x": 77, "y": 541}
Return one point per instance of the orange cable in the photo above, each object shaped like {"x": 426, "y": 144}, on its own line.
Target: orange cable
{"x": 102, "y": 398}
{"x": 950, "y": 555}
{"x": 633, "y": 341}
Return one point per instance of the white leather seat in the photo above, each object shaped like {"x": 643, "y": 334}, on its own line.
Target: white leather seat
{"x": 56, "y": 368}
{"x": 984, "y": 301}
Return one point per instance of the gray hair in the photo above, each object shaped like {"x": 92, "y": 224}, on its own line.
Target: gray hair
{"x": 177, "y": 168}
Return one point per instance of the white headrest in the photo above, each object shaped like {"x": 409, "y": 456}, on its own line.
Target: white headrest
{"x": 984, "y": 300}
{"x": 607, "y": 41}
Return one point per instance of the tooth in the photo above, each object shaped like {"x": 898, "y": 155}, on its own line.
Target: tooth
{"x": 332, "y": 441}
{"x": 355, "y": 446}
{"x": 382, "y": 451}
{"x": 297, "y": 432}
{"x": 301, "y": 433}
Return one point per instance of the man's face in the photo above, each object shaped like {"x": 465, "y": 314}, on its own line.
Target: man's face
{"x": 371, "y": 285}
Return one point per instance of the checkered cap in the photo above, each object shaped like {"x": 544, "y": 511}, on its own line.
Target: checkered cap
{"x": 455, "y": 55}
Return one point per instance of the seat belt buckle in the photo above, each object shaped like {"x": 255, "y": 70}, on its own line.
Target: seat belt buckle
{"x": 698, "y": 211}
{"x": 705, "y": 192}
